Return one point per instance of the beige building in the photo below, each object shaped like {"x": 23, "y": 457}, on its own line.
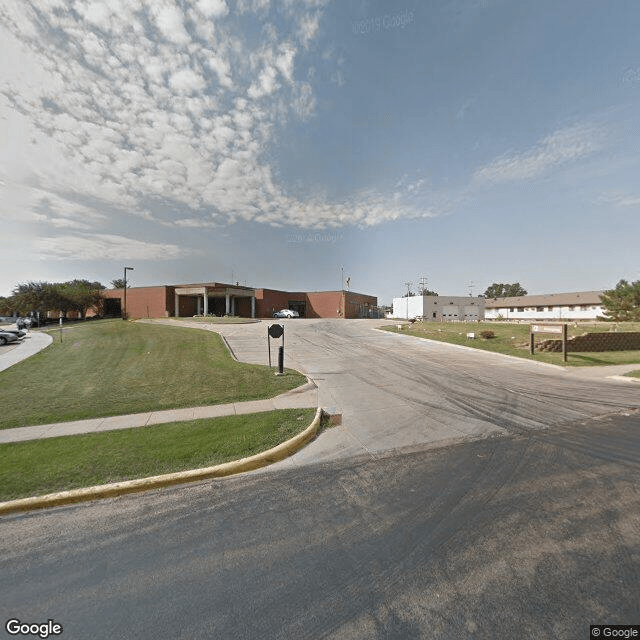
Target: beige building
{"x": 582, "y": 305}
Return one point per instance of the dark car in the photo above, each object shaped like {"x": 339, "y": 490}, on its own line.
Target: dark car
{"x": 19, "y": 333}
{"x": 7, "y": 336}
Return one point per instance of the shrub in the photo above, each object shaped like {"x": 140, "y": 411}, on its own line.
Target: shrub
{"x": 487, "y": 334}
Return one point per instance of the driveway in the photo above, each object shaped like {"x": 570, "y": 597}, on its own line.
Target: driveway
{"x": 396, "y": 391}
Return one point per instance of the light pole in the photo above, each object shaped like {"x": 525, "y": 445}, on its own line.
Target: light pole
{"x": 124, "y": 316}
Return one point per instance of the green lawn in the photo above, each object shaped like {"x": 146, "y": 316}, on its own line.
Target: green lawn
{"x": 105, "y": 368}
{"x": 39, "y": 467}
{"x": 513, "y": 340}
{"x": 633, "y": 374}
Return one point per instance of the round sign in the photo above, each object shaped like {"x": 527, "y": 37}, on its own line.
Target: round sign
{"x": 276, "y": 330}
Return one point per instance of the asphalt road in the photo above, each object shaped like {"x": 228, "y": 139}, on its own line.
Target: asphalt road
{"x": 506, "y": 506}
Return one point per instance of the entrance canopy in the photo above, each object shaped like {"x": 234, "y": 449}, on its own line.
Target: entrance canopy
{"x": 204, "y": 293}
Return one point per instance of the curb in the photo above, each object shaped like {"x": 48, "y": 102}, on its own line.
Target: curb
{"x": 624, "y": 378}
{"x": 275, "y": 454}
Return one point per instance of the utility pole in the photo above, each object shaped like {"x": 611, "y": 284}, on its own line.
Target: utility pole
{"x": 408, "y": 291}
{"x": 423, "y": 285}
{"x": 471, "y": 289}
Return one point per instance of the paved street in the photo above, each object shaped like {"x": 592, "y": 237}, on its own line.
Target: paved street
{"x": 466, "y": 495}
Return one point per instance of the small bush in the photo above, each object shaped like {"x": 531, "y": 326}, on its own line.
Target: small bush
{"x": 487, "y": 334}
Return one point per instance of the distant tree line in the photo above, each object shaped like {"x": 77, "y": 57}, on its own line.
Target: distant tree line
{"x": 421, "y": 292}
{"x": 72, "y": 296}
{"x": 501, "y": 290}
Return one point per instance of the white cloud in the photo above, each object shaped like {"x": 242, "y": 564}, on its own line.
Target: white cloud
{"x": 169, "y": 21}
{"x": 620, "y": 199}
{"x": 559, "y": 147}
{"x": 186, "y": 81}
{"x": 105, "y": 247}
{"x": 130, "y": 119}
{"x": 213, "y": 8}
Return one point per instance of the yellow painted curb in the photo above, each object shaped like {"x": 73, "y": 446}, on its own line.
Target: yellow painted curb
{"x": 270, "y": 456}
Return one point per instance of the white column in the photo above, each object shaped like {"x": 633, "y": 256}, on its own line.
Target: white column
{"x": 206, "y": 303}
{"x": 227, "y": 306}
{"x": 253, "y": 306}
{"x": 199, "y": 306}
{"x": 233, "y": 306}
{"x": 177, "y": 305}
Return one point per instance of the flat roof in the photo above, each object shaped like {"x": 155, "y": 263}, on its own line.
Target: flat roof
{"x": 549, "y": 299}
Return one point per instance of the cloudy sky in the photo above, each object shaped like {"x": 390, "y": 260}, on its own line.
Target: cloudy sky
{"x": 273, "y": 142}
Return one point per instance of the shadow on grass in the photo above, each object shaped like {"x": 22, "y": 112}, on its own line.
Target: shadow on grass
{"x": 587, "y": 359}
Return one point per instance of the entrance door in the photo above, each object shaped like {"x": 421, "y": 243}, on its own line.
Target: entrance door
{"x": 300, "y": 307}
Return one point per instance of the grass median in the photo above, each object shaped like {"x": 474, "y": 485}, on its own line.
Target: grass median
{"x": 513, "y": 339}
{"x": 106, "y": 368}
{"x": 38, "y": 467}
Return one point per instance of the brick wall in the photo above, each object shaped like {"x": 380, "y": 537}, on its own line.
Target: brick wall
{"x": 270, "y": 300}
{"x": 627, "y": 341}
{"x": 143, "y": 302}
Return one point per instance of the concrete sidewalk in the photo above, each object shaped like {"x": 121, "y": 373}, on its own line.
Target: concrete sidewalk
{"x": 33, "y": 342}
{"x": 305, "y": 396}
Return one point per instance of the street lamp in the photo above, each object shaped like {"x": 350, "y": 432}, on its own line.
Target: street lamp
{"x": 124, "y": 316}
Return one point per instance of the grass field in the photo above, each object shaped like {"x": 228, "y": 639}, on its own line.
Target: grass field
{"x": 634, "y": 374}
{"x": 513, "y": 340}
{"x": 111, "y": 367}
{"x": 45, "y": 466}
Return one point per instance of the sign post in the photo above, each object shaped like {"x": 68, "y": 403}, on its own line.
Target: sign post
{"x": 277, "y": 331}
{"x": 557, "y": 329}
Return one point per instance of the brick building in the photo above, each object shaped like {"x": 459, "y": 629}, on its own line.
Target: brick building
{"x": 226, "y": 299}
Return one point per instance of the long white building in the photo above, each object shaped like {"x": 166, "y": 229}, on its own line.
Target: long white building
{"x": 582, "y": 305}
{"x": 439, "y": 308}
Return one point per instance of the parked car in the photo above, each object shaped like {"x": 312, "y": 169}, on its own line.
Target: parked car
{"x": 17, "y": 332}
{"x": 7, "y": 336}
{"x": 286, "y": 313}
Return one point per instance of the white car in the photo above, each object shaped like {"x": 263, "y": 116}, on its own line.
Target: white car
{"x": 286, "y": 313}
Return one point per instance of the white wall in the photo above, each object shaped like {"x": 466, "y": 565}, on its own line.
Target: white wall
{"x": 408, "y": 307}
{"x": 461, "y": 308}
{"x": 556, "y": 313}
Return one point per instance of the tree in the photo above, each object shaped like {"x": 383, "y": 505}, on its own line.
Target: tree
{"x": 500, "y": 290}
{"x": 35, "y": 296}
{"x": 6, "y": 306}
{"x": 623, "y": 302}
{"x": 74, "y": 295}
{"x": 118, "y": 283}
{"x": 80, "y": 295}
{"x": 426, "y": 292}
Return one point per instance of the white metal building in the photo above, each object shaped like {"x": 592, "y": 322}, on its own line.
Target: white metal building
{"x": 439, "y": 308}
{"x": 582, "y": 305}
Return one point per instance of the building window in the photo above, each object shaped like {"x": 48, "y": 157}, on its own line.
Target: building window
{"x": 520, "y": 309}
{"x": 571, "y": 307}
{"x": 539, "y": 308}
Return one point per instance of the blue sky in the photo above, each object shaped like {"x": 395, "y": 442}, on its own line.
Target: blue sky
{"x": 464, "y": 141}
